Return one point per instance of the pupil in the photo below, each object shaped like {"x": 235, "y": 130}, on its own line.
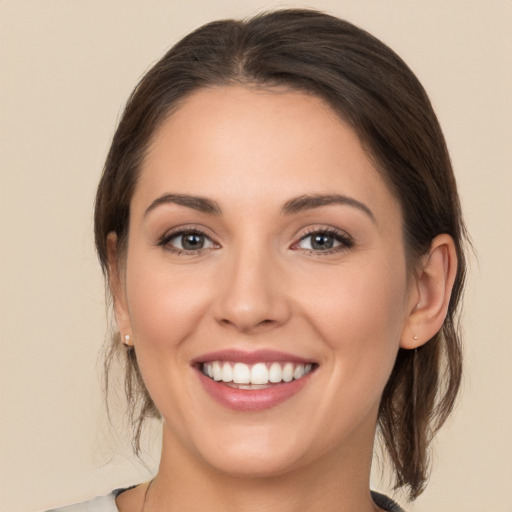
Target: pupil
{"x": 192, "y": 241}
{"x": 322, "y": 242}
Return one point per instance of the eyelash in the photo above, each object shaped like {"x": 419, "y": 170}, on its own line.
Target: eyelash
{"x": 345, "y": 241}
{"x": 166, "y": 239}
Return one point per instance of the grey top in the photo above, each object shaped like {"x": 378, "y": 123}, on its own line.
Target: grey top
{"x": 108, "y": 504}
{"x": 99, "y": 504}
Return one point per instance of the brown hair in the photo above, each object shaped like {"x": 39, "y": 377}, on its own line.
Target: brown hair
{"x": 372, "y": 89}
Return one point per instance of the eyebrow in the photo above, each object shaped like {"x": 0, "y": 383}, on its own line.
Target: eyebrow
{"x": 295, "y": 205}
{"x": 309, "y": 202}
{"x": 195, "y": 202}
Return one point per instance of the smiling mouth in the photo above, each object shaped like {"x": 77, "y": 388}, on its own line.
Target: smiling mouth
{"x": 255, "y": 376}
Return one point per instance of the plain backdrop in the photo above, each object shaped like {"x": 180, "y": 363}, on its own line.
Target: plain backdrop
{"x": 66, "y": 69}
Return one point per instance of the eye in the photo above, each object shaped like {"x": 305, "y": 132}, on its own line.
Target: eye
{"x": 190, "y": 241}
{"x": 324, "y": 241}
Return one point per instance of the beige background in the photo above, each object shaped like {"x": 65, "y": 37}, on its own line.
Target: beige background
{"x": 66, "y": 68}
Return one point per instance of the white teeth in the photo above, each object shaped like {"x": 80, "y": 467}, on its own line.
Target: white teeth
{"x": 298, "y": 372}
{"x": 258, "y": 374}
{"x": 217, "y": 372}
{"x": 227, "y": 372}
{"x": 275, "y": 373}
{"x": 288, "y": 372}
{"x": 241, "y": 374}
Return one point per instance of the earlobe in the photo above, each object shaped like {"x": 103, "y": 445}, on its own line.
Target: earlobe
{"x": 434, "y": 284}
{"x": 117, "y": 289}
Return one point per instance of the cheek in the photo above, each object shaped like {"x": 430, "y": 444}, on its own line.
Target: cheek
{"x": 360, "y": 315}
{"x": 370, "y": 296}
{"x": 164, "y": 308}
{"x": 163, "y": 304}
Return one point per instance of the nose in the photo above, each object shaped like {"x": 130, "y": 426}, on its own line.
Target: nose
{"x": 252, "y": 292}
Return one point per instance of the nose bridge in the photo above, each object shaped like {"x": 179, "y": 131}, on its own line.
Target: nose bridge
{"x": 252, "y": 295}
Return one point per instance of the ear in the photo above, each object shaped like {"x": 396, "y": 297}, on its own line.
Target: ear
{"x": 118, "y": 289}
{"x": 430, "y": 293}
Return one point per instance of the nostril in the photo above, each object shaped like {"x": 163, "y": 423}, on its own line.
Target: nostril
{"x": 242, "y": 326}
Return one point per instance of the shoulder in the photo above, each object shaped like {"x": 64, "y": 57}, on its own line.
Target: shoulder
{"x": 386, "y": 503}
{"x": 99, "y": 504}
{"x": 108, "y": 504}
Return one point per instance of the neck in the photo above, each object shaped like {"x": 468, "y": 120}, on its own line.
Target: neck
{"x": 335, "y": 482}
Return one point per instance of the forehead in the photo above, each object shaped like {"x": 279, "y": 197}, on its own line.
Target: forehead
{"x": 225, "y": 142}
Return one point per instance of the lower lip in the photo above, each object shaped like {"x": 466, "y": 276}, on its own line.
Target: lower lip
{"x": 251, "y": 400}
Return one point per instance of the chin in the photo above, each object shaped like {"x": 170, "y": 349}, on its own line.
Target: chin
{"x": 257, "y": 451}
{"x": 252, "y": 464}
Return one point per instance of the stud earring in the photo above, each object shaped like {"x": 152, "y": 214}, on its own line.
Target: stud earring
{"x": 415, "y": 338}
{"x": 126, "y": 341}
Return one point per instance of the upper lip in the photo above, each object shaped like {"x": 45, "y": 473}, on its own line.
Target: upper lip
{"x": 253, "y": 357}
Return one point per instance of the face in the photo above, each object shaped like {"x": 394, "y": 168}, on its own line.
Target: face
{"x": 264, "y": 283}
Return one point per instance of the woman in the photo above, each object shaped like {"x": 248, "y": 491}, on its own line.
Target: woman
{"x": 279, "y": 226}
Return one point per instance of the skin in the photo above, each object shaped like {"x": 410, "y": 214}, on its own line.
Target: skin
{"x": 258, "y": 284}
